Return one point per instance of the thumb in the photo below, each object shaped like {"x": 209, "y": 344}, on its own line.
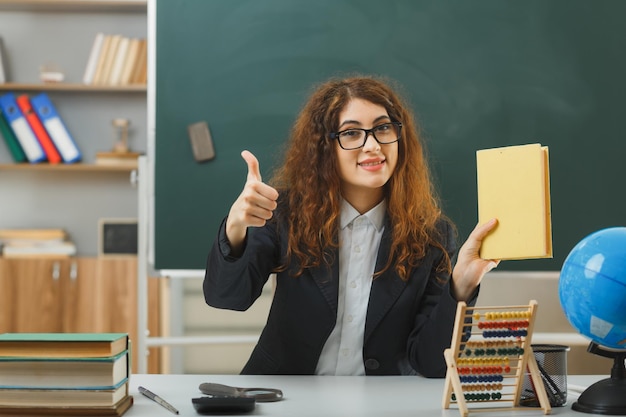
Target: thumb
{"x": 253, "y": 166}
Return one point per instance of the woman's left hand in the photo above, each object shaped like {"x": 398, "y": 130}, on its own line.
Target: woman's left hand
{"x": 470, "y": 267}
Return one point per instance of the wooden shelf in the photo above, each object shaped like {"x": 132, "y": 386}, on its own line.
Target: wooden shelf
{"x": 72, "y": 87}
{"x": 65, "y": 167}
{"x": 75, "y": 5}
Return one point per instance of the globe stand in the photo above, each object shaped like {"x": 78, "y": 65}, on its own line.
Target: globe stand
{"x": 607, "y": 396}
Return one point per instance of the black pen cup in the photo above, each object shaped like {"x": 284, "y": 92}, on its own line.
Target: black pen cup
{"x": 552, "y": 364}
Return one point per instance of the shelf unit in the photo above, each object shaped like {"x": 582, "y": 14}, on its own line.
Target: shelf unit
{"x": 61, "y": 32}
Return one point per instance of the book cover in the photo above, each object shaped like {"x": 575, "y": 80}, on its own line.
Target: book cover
{"x": 118, "y": 409}
{"x": 17, "y": 153}
{"x": 137, "y": 76}
{"x": 129, "y": 62}
{"x": 24, "y": 134}
{"x": 118, "y": 62}
{"x": 55, "y": 127}
{"x": 92, "y": 61}
{"x": 110, "y": 59}
{"x": 63, "y": 397}
{"x": 514, "y": 187}
{"x": 63, "y": 345}
{"x": 43, "y": 248}
{"x": 23, "y": 102}
{"x": 62, "y": 373}
{"x": 100, "y": 64}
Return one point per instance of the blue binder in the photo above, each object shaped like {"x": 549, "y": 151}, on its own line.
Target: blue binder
{"x": 56, "y": 128}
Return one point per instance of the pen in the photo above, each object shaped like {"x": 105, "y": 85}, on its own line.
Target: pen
{"x": 157, "y": 399}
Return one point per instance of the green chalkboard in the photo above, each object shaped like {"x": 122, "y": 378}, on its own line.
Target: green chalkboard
{"x": 479, "y": 74}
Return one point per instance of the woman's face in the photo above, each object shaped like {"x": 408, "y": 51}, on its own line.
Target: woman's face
{"x": 364, "y": 171}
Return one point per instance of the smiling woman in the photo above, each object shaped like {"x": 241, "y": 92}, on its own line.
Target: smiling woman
{"x": 361, "y": 250}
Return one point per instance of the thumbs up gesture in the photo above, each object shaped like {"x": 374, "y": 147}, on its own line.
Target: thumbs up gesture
{"x": 254, "y": 206}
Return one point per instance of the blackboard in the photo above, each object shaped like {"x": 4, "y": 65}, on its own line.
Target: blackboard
{"x": 479, "y": 74}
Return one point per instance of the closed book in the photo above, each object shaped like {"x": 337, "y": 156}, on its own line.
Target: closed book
{"x": 55, "y": 127}
{"x": 102, "y": 57}
{"x": 63, "y": 345}
{"x": 39, "y": 130}
{"x": 39, "y": 249}
{"x": 129, "y": 62}
{"x": 24, "y": 134}
{"x": 514, "y": 187}
{"x": 118, "y": 62}
{"x": 117, "y": 409}
{"x": 63, "y": 397}
{"x": 9, "y": 138}
{"x": 92, "y": 60}
{"x": 4, "y": 76}
{"x": 137, "y": 76}
{"x": 110, "y": 59}
{"x": 120, "y": 159}
{"x": 62, "y": 373}
{"x": 32, "y": 234}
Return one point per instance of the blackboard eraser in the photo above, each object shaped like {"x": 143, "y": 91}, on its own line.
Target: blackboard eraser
{"x": 201, "y": 141}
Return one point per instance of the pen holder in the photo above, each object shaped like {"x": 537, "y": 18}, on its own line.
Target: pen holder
{"x": 552, "y": 364}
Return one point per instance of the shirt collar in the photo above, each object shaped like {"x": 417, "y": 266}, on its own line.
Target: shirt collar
{"x": 376, "y": 215}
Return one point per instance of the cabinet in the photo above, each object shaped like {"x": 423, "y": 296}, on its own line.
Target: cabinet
{"x": 86, "y": 294}
{"x": 73, "y": 197}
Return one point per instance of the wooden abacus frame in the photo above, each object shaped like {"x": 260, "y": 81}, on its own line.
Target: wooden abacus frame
{"x": 508, "y": 357}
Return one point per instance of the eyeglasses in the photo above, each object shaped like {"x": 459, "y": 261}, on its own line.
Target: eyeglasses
{"x": 355, "y": 138}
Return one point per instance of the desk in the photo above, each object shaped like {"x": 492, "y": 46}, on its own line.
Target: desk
{"x": 323, "y": 396}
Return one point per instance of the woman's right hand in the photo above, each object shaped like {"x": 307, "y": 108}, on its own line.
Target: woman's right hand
{"x": 254, "y": 206}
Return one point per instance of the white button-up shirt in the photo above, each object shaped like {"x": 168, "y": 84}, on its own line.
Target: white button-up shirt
{"x": 359, "y": 240}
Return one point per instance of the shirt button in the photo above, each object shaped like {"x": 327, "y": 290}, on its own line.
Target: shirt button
{"x": 345, "y": 352}
{"x": 357, "y": 249}
{"x": 352, "y": 284}
{"x": 371, "y": 364}
{"x": 350, "y": 318}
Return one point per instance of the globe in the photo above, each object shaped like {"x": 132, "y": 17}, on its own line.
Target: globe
{"x": 592, "y": 287}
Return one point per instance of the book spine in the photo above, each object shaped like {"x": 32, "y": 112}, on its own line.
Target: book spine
{"x": 56, "y": 128}
{"x": 23, "y": 102}
{"x": 92, "y": 61}
{"x": 21, "y": 129}
{"x": 9, "y": 138}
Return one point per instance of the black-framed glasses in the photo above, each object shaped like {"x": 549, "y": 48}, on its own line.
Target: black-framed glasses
{"x": 355, "y": 138}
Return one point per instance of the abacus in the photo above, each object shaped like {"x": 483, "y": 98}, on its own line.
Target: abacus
{"x": 488, "y": 358}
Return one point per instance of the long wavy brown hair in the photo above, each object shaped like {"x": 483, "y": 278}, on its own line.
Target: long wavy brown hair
{"x": 310, "y": 179}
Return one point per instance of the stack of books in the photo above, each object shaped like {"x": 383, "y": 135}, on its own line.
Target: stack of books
{"x": 33, "y": 130}
{"x": 64, "y": 374}
{"x": 116, "y": 60}
{"x": 36, "y": 243}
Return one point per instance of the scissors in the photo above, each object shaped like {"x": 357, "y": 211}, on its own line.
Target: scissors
{"x": 262, "y": 395}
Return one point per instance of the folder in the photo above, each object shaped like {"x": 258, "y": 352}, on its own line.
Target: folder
{"x": 24, "y": 134}
{"x": 514, "y": 187}
{"x": 23, "y": 102}
{"x": 56, "y": 128}
{"x": 9, "y": 138}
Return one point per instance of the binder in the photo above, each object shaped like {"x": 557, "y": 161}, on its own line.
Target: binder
{"x": 514, "y": 187}
{"x": 23, "y": 102}
{"x": 24, "y": 134}
{"x": 56, "y": 128}
{"x": 9, "y": 138}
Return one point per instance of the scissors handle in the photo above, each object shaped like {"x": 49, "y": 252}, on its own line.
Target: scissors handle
{"x": 259, "y": 394}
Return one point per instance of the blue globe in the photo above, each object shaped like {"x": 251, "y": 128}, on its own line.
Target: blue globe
{"x": 592, "y": 287}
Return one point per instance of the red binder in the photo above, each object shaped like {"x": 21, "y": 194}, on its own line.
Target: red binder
{"x": 50, "y": 150}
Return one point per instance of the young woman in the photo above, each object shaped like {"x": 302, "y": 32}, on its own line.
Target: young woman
{"x": 366, "y": 281}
